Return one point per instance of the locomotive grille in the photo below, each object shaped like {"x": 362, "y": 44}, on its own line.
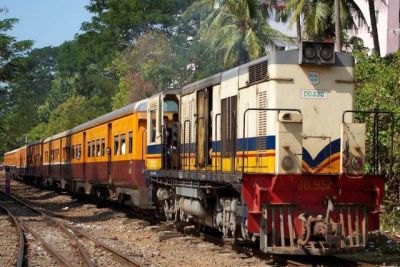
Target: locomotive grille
{"x": 258, "y": 72}
{"x": 262, "y": 120}
{"x": 228, "y": 126}
{"x": 188, "y": 129}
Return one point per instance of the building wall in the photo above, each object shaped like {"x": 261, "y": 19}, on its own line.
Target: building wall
{"x": 387, "y": 24}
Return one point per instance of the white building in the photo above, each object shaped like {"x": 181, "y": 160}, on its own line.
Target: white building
{"x": 388, "y": 23}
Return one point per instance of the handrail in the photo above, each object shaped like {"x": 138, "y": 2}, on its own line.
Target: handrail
{"x": 259, "y": 109}
{"x": 376, "y": 114}
{"x": 143, "y": 134}
{"x": 215, "y": 138}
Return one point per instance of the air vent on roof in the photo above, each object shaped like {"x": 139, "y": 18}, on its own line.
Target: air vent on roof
{"x": 258, "y": 72}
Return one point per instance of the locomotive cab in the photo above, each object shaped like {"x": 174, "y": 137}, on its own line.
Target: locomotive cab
{"x": 163, "y": 131}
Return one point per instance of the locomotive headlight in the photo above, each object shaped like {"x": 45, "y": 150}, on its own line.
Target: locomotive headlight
{"x": 326, "y": 52}
{"x": 287, "y": 163}
{"x": 357, "y": 163}
{"x": 309, "y": 52}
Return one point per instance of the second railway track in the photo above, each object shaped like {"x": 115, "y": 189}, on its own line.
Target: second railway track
{"x": 68, "y": 246}
{"x": 12, "y": 244}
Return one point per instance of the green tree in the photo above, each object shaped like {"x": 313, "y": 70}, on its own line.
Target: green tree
{"x": 318, "y": 17}
{"x": 12, "y": 51}
{"x": 27, "y": 92}
{"x": 378, "y": 87}
{"x": 72, "y": 112}
{"x": 235, "y": 30}
{"x": 12, "y": 64}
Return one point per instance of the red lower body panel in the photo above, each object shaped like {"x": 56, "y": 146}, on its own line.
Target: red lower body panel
{"x": 352, "y": 198}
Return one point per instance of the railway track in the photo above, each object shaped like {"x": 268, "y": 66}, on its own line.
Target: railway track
{"x": 68, "y": 245}
{"x": 284, "y": 260}
{"x": 19, "y": 256}
{"x": 114, "y": 258}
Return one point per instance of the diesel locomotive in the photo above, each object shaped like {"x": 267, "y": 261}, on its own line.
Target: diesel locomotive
{"x": 271, "y": 151}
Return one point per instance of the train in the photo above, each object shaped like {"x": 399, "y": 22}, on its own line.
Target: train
{"x": 269, "y": 152}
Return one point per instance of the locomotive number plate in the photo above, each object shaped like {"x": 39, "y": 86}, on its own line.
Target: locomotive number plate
{"x": 313, "y": 94}
{"x": 314, "y": 185}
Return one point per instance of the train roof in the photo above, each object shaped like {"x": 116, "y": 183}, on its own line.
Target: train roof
{"x": 279, "y": 57}
{"x": 139, "y": 106}
{"x": 14, "y": 150}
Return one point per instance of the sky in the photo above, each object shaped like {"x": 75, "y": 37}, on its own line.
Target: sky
{"x": 46, "y": 22}
{"x": 52, "y": 22}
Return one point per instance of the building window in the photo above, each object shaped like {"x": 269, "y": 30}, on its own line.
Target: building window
{"x": 130, "y": 142}
{"x": 116, "y": 144}
{"x": 360, "y": 22}
{"x": 123, "y": 144}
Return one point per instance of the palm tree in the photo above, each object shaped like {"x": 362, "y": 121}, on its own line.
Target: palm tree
{"x": 237, "y": 30}
{"x": 338, "y": 39}
{"x": 375, "y": 37}
{"x": 319, "y": 18}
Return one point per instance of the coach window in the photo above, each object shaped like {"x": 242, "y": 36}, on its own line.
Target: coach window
{"x": 78, "y": 153}
{"x": 123, "y": 144}
{"x": 98, "y": 147}
{"x": 130, "y": 145}
{"x": 116, "y": 144}
{"x": 93, "y": 148}
{"x": 73, "y": 152}
{"x": 88, "y": 149}
{"x": 103, "y": 146}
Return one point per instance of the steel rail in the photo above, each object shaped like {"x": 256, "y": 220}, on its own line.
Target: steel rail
{"x": 64, "y": 225}
{"x": 105, "y": 246}
{"x": 58, "y": 256}
{"x": 21, "y": 250}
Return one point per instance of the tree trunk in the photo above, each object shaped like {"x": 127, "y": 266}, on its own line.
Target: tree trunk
{"x": 338, "y": 41}
{"x": 298, "y": 28}
{"x": 375, "y": 37}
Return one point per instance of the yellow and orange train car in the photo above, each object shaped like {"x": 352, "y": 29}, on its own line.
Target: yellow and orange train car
{"x": 96, "y": 157}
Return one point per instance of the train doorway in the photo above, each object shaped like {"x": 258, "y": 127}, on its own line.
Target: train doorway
{"x": 170, "y": 132}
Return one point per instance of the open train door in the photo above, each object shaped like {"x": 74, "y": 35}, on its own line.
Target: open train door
{"x": 162, "y": 130}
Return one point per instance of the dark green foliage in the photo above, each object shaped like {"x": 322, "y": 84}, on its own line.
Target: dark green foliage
{"x": 11, "y": 51}
{"x": 378, "y": 87}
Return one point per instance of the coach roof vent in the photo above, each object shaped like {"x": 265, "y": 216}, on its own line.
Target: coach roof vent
{"x": 258, "y": 72}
